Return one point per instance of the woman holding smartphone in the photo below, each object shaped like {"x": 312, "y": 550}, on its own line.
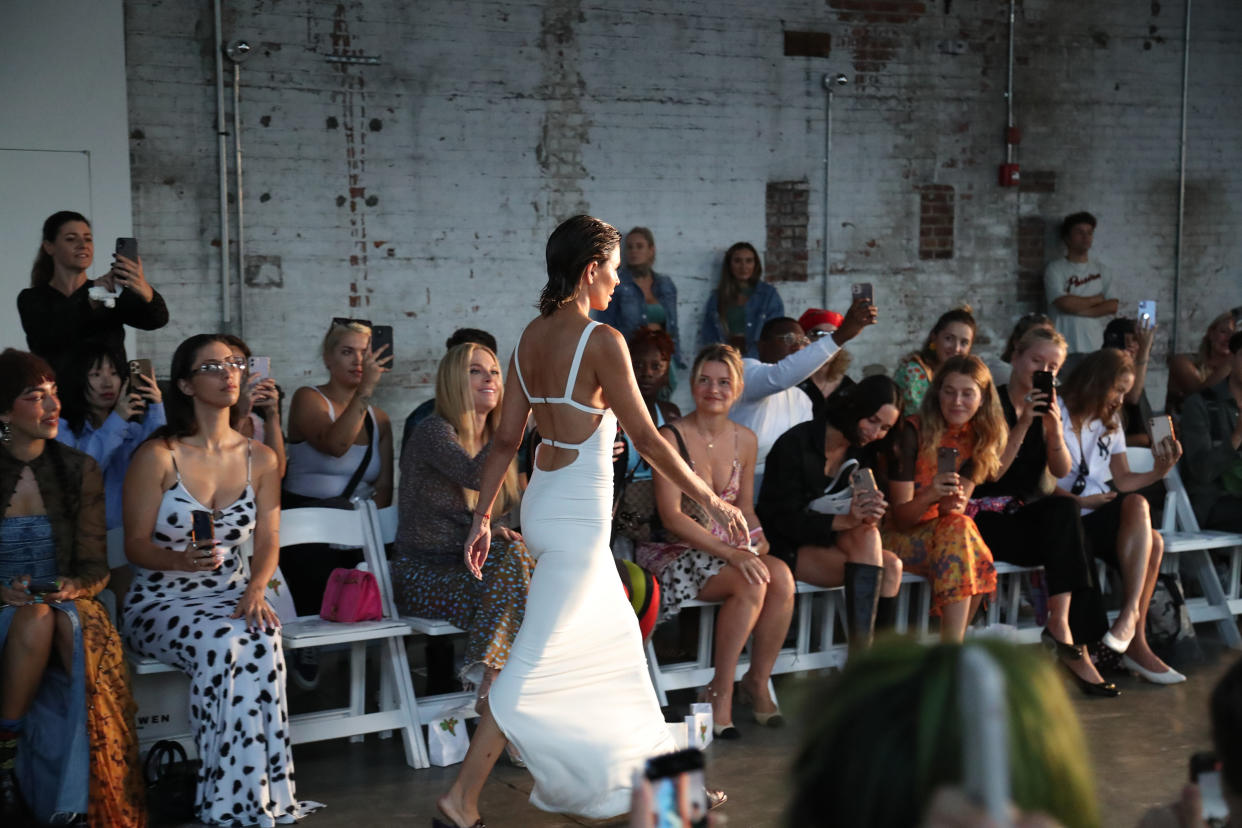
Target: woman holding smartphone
{"x": 340, "y": 446}
{"x": 52, "y": 634}
{"x": 755, "y": 588}
{"x": 1022, "y": 525}
{"x": 62, "y": 307}
{"x": 575, "y": 695}
{"x": 821, "y": 522}
{"x": 1117, "y": 525}
{"x": 953, "y": 443}
{"x": 192, "y": 605}
{"x": 257, "y": 413}
{"x": 107, "y": 412}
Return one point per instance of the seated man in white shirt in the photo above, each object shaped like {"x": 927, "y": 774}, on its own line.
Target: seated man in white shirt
{"x": 772, "y": 403}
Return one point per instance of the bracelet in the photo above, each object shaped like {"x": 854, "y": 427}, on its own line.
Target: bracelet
{"x": 365, "y": 399}
{"x": 484, "y": 515}
{"x": 756, "y": 532}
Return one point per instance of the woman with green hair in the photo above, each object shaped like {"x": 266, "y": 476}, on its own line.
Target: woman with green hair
{"x": 887, "y": 735}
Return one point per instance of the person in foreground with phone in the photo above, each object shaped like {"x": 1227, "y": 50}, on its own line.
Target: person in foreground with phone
{"x": 701, "y": 561}
{"x": 58, "y": 310}
{"x": 951, "y": 445}
{"x": 1212, "y": 429}
{"x": 821, "y": 508}
{"x": 107, "y": 412}
{"x": 952, "y": 335}
{"x": 903, "y": 693}
{"x": 1117, "y": 525}
{"x": 52, "y": 564}
{"x": 1022, "y": 525}
{"x": 575, "y": 695}
{"x": 193, "y": 606}
{"x": 440, "y": 467}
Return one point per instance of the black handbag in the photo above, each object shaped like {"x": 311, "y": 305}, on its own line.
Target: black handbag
{"x": 172, "y": 782}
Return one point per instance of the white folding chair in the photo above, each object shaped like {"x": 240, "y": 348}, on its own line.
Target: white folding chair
{"x": 353, "y": 528}
{"x": 1182, "y": 537}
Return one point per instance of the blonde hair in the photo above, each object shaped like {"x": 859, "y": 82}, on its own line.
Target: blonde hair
{"x": 991, "y": 430}
{"x": 728, "y": 356}
{"x": 455, "y": 403}
{"x": 1090, "y": 385}
{"x": 1205, "y": 345}
{"x": 1038, "y": 335}
{"x": 337, "y": 331}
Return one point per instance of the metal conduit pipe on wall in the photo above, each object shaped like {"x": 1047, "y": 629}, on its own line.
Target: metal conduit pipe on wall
{"x": 226, "y": 315}
{"x": 1181, "y": 186}
{"x": 830, "y": 83}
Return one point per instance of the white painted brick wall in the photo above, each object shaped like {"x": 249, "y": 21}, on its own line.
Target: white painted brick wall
{"x": 498, "y": 119}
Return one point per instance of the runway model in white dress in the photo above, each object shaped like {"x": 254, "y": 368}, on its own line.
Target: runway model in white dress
{"x": 575, "y": 696}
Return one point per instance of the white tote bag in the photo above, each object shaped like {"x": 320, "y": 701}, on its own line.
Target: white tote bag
{"x": 447, "y": 741}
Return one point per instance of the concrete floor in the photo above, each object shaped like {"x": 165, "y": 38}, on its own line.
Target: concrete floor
{"x": 1140, "y": 744}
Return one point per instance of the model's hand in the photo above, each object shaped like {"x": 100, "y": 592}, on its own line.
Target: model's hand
{"x": 946, "y": 484}
{"x": 860, "y": 315}
{"x": 374, "y": 365}
{"x": 507, "y": 534}
{"x": 1166, "y": 455}
{"x": 1052, "y": 418}
{"x": 478, "y": 542}
{"x": 128, "y": 274}
{"x": 70, "y": 590}
{"x": 868, "y": 506}
{"x": 254, "y": 607}
{"x": 729, "y": 518}
{"x": 266, "y": 397}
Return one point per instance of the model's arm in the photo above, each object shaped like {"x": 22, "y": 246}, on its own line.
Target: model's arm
{"x": 143, "y": 494}
{"x": 1059, "y": 460}
{"x": 1130, "y": 481}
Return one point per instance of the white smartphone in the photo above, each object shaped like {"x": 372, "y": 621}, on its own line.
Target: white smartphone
{"x": 260, "y": 367}
{"x": 1205, "y": 772}
{"x": 985, "y": 733}
{"x": 1147, "y": 314}
{"x": 1161, "y": 428}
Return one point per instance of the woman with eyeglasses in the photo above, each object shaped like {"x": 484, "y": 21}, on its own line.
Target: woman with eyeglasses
{"x": 68, "y": 744}
{"x": 340, "y": 446}
{"x": 1117, "y": 525}
{"x": 192, "y": 604}
{"x": 1022, "y": 525}
{"x": 952, "y": 335}
{"x": 929, "y": 530}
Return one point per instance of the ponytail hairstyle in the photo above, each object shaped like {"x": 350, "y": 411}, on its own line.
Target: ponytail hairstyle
{"x": 846, "y": 406}
{"x": 962, "y": 314}
{"x": 990, "y": 429}
{"x": 1090, "y": 385}
{"x": 573, "y": 245}
{"x": 179, "y": 406}
{"x": 43, "y": 269}
{"x": 727, "y": 290}
{"x": 455, "y": 403}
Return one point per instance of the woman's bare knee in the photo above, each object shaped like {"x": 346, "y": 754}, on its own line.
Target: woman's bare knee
{"x": 1135, "y": 511}
{"x": 34, "y": 626}
{"x": 862, "y": 545}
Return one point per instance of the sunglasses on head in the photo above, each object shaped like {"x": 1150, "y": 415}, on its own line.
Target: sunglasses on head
{"x": 345, "y": 321}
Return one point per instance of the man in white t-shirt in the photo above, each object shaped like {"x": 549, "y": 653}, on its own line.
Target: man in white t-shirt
{"x": 1078, "y": 287}
{"x": 772, "y": 403}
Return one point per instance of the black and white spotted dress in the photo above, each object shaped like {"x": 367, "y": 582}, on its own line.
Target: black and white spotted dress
{"x": 237, "y": 677}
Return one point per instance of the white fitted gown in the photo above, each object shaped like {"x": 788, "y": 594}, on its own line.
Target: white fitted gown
{"x": 575, "y": 696}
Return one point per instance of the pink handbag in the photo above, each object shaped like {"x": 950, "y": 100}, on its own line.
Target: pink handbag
{"x": 351, "y": 595}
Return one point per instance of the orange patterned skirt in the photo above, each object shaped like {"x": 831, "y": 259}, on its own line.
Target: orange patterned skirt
{"x": 117, "y": 798}
{"x": 949, "y": 552}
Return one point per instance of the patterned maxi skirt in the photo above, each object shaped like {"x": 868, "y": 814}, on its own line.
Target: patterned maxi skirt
{"x": 950, "y": 553}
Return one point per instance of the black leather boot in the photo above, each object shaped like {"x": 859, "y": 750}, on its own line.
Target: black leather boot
{"x": 862, "y": 596}
{"x": 12, "y": 807}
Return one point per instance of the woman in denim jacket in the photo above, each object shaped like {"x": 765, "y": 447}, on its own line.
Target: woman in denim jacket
{"x": 740, "y": 305}
{"x": 644, "y": 299}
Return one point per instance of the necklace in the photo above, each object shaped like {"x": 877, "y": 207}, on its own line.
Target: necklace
{"x": 711, "y": 441}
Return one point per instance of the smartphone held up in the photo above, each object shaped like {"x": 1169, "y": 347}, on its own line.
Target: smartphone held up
{"x": 678, "y": 791}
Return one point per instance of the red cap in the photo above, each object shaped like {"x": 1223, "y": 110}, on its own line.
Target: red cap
{"x": 818, "y": 316}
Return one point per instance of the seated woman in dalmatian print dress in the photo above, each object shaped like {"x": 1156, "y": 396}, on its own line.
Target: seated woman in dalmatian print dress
{"x": 195, "y": 608}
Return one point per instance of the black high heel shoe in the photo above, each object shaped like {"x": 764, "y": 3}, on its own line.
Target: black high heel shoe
{"x": 1065, "y": 653}
{"x": 439, "y": 823}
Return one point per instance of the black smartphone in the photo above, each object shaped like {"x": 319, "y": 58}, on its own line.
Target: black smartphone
{"x": 678, "y": 790}
{"x": 1205, "y": 772}
{"x": 202, "y": 530}
{"x": 127, "y": 247}
{"x": 946, "y": 460}
{"x": 863, "y": 291}
{"x": 381, "y": 335}
{"x": 863, "y": 480}
{"x": 43, "y": 586}
{"x": 1042, "y": 381}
